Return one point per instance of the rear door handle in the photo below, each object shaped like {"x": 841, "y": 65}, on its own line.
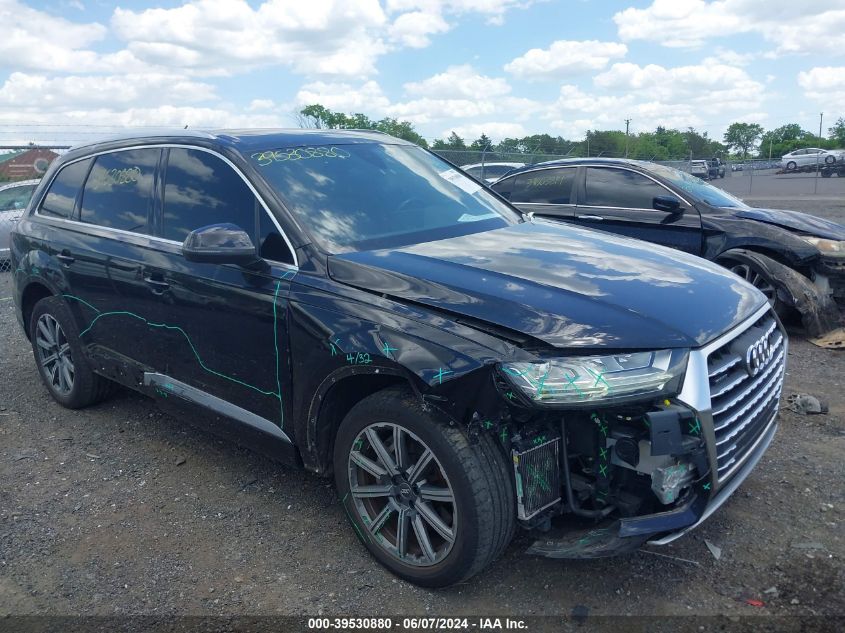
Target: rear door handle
{"x": 589, "y": 217}
{"x": 158, "y": 286}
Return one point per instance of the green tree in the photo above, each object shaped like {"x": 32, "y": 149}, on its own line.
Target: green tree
{"x": 481, "y": 144}
{"x": 743, "y": 136}
{"x": 837, "y": 132}
{"x": 318, "y": 116}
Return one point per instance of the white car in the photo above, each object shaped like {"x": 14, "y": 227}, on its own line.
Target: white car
{"x": 699, "y": 168}
{"x": 811, "y": 156}
{"x": 490, "y": 172}
{"x": 13, "y": 200}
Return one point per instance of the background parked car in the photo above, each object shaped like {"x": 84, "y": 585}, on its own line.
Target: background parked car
{"x": 13, "y": 200}
{"x": 797, "y": 260}
{"x": 490, "y": 172}
{"x": 811, "y": 156}
{"x": 716, "y": 168}
{"x": 699, "y": 169}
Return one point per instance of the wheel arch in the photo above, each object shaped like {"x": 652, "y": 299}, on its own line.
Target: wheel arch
{"x": 34, "y": 292}
{"x": 334, "y": 398}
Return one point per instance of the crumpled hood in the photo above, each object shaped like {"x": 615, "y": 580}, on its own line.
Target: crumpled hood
{"x": 566, "y": 286}
{"x": 796, "y": 221}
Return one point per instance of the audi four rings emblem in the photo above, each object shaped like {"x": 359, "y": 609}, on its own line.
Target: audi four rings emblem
{"x": 757, "y": 356}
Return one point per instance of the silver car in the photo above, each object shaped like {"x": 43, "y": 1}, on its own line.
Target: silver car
{"x": 14, "y": 197}
{"x": 811, "y": 156}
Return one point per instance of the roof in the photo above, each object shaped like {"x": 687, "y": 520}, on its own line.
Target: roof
{"x": 10, "y": 155}
{"x": 19, "y": 183}
{"x": 582, "y": 161}
{"x": 252, "y": 139}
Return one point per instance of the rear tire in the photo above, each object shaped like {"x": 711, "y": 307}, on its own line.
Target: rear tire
{"x": 432, "y": 526}
{"x": 60, "y": 359}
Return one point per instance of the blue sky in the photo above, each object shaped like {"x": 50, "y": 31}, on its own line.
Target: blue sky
{"x": 503, "y": 67}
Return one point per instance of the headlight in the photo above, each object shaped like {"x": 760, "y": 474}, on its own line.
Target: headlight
{"x": 587, "y": 380}
{"x": 826, "y": 247}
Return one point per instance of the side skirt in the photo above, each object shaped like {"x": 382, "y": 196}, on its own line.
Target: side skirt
{"x": 213, "y": 403}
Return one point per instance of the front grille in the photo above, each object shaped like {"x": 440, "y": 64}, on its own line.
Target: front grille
{"x": 743, "y": 404}
{"x": 537, "y": 474}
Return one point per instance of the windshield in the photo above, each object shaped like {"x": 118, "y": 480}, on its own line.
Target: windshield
{"x": 365, "y": 196}
{"x": 697, "y": 188}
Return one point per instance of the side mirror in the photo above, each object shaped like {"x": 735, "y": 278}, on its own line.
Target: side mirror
{"x": 219, "y": 244}
{"x": 669, "y": 204}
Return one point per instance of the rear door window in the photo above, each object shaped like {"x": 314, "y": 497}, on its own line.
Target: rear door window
{"x": 61, "y": 197}
{"x": 545, "y": 186}
{"x": 119, "y": 191}
{"x": 620, "y": 188}
{"x": 200, "y": 189}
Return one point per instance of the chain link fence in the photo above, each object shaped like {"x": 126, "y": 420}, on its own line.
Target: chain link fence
{"x": 21, "y": 167}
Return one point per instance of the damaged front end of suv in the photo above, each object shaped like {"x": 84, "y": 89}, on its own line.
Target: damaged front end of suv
{"x": 640, "y": 446}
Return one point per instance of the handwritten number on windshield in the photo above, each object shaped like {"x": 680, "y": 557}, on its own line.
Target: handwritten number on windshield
{"x": 298, "y": 153}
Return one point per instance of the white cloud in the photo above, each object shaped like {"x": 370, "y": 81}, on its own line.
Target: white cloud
{"x": 711, "y": 83}
{"x": 459, "y": 81}
{"x": 26, "y": 91}
{"x": 564, "y": 58}
{"x": 367, "y": 98}
{"x": 413, "y": 29}
{"x": 339, "y": 37}
{"x": 825, "y": 84}
{"x": 257, "y": 105}
{"x": 34, "y": 40}
{"x": 425, "y": 110}
{"x": 793, "y": 27}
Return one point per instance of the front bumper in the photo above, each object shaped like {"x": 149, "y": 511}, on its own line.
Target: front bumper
{"x": 736, "y": 434}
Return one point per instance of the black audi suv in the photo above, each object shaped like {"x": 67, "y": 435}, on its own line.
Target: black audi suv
{"x": 352, "y": 304}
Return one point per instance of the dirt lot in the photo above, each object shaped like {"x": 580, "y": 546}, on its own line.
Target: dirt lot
{"x": 122, "y": 509}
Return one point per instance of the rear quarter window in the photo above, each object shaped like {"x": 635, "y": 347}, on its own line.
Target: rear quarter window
{"x": 61, "y": 196}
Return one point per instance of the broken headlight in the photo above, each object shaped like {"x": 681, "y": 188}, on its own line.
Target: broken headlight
{"x": 825, "y": 246}
{"x": 587, "y": 380}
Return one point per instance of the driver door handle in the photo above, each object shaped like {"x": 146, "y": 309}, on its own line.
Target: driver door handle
{"x": 589, "y": 217}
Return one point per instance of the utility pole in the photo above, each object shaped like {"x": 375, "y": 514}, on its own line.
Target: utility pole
{"x": 627, "y": 127}
{"x": 816, "y": 183}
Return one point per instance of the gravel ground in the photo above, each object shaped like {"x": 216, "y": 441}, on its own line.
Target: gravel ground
{"x": 122, "y": 509}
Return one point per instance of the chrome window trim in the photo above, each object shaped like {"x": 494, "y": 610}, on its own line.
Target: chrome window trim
{"x": 654, "y": 180}
{"x": 546, "y": 204}
{"x": 161, "y": 239}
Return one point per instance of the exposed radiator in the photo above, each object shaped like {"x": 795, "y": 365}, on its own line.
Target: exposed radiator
{"x": 537, "y": 472}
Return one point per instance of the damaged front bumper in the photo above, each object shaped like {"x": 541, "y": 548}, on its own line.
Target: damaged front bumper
{"x": 737, "y": 414}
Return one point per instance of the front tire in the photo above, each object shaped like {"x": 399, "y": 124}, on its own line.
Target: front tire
{"x": 429, "y": 505}
{"x": 60, "y": 359}
{"x": 754, "y": 274}
{"x": 791, "y": 166}
{"x": 830, "y": 159}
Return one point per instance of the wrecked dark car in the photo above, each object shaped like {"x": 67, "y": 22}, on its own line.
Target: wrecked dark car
{"x": 796, "y": 260}
{"x": 350, "y": 303}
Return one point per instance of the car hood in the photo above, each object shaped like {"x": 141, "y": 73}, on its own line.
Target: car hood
{"x": 562, "y": 285}
{"x": 796, "y": 221}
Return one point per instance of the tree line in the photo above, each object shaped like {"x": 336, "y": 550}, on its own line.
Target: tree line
{"x": 741, "y": 140}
